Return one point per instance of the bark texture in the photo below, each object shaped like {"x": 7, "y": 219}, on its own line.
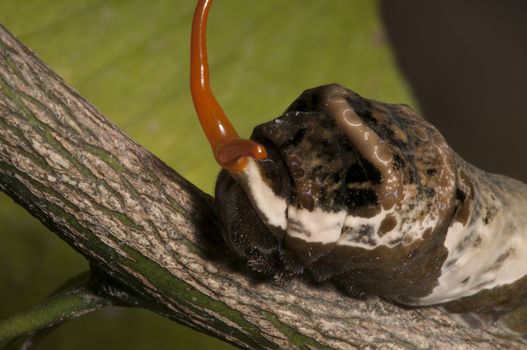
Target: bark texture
{"x": 153, "y": 232}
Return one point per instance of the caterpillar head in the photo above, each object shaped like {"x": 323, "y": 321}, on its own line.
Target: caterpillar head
{"x": 350, "y": 185}
{"x": 343, "y": 187}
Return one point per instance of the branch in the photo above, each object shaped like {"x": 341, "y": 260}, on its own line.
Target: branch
{"x": 151, "y": 230}
{"x": 67, "y": 304}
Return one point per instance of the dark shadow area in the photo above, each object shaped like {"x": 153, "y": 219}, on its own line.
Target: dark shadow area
{"x": 466, "y": 62}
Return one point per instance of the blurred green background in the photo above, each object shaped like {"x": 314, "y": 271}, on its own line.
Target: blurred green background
{"x": 130, "y": 59}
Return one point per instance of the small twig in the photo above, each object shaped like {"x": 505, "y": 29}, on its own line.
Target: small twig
{"x": 28, "y": 341}
{"x": 83, "y": 293}
{"x": 62, "y": 306}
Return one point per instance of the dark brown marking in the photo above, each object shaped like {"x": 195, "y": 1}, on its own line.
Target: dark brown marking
{"x": 306, "y": 201}
{"x": 387, "y": 224}
{"x": 427, "y": 233}
{"x": 362, "y": 234}
{"x": 451, "y": 263}
{"x": 464, "y": 197}
{"x": 477, "y": 242}
{"x": 500, "y": 260}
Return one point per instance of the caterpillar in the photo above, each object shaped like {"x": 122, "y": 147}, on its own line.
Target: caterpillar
{"x": 368, "y": 196}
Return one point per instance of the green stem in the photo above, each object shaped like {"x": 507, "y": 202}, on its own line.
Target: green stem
{"x": 28, "y": 341}
{"x": 62, "y": 306}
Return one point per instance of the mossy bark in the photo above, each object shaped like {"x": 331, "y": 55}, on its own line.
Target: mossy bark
{"x": 149, "y": 229}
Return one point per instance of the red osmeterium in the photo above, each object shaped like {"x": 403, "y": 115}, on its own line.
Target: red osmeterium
{"x": 229, "y": 149}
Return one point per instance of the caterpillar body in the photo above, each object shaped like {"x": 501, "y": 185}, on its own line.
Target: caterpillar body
{"x": 370, "y": 197}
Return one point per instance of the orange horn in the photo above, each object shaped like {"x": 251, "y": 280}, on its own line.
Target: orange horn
{"x": 229, "y": 149}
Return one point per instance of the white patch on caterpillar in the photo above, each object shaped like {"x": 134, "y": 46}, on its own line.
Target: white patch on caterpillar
{"x": 484, "y": 256}
{"x": 315, "y": 226}
{"x": 310, "y": 226}
{"x": 406, "y": 231}
{"x": 355, "y": 222}
{"x": 272, "y": 208}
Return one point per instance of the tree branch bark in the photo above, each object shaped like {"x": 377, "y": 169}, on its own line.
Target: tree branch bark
{"x": 153, "y": 231}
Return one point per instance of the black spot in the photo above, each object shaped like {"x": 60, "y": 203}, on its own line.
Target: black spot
{"x": 460, "y": 195}
{"x": 465, "y": 280}
{"x": 499, "y": 261}
{"x": 374, "y": 175}
{"x": 451, "y": 263}
{"x": 362, "y": 171}
{"x": 365, "y": 230}
{"x": 398, "y": 162}
{"x": 361, "y": 197}
{"x": 431, "y": 171}
{"x": 356, "y": 174}
{"x": 366, "y": 235}
{"x": 387, "y": 134}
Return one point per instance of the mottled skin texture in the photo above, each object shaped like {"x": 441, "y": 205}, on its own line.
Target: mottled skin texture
{"x": 399, "y": 188}
{"x": 487, "y": 199}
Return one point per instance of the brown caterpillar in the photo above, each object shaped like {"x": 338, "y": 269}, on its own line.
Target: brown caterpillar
{"x": 368, "y": 196}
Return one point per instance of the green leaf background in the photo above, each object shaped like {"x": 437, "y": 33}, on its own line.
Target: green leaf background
{"x": 130, "y": 59}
